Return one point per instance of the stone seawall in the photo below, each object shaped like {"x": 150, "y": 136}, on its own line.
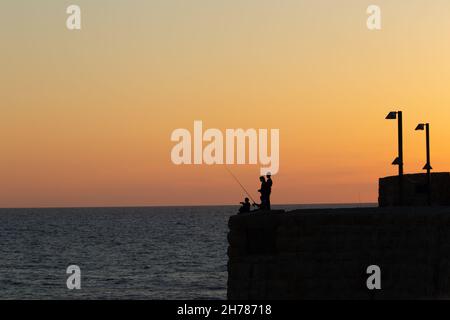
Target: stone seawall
{"x": 324, "y": 254}
{"x": 415, "y": 190}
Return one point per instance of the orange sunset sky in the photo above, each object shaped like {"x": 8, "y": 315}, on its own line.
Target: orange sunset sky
{"x": 86, "y": 116}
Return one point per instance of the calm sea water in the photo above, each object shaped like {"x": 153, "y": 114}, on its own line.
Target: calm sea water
{"x": 123, "y": 253}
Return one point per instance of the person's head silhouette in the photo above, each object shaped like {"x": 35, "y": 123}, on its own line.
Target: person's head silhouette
{"x": 262, "y": 179}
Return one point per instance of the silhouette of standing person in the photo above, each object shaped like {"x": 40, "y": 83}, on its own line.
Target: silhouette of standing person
{"x": 263, "y": 191}
{"x": 269, "y": 189}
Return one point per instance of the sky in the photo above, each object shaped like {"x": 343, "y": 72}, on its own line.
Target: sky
{"x": 86, "y": 116}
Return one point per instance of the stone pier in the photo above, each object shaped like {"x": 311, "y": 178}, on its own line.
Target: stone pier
{"x": 324, "y": 253}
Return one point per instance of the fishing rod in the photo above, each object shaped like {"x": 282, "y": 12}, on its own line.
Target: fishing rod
{"x": 237, "y": 180}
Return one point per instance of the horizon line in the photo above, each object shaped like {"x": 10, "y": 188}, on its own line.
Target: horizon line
{"x": 190, "y": 205}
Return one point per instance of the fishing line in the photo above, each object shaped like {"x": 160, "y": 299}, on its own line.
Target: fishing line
{"x": 237, "y": 180}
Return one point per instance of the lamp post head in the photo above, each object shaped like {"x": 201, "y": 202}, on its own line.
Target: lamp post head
{"x": 420, "y": 126}
{"x": 396, "y": 162}
{"x": 391, "y": 115}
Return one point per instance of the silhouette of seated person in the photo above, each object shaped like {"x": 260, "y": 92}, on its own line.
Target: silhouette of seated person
{"x": 245, "y": 208}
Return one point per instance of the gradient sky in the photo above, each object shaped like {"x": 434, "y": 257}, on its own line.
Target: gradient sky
{"x": 86, "y": 116}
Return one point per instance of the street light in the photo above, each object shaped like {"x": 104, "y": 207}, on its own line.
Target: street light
{"x": 399, "y": 160}
{"x": 392, "y": 115}
{"x": 426, "y": 127}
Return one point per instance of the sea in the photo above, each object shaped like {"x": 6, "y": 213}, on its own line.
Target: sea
{"x": 163, "y": 253}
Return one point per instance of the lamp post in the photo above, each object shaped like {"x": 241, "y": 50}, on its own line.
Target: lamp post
{"x": 426, "y": 127}
{"x": 399, "y": 160}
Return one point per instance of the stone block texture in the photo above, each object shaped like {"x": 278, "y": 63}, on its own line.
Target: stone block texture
{"x": 324, "y": 253}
